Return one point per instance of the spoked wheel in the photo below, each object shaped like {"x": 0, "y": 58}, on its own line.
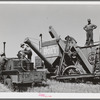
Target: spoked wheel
{"x": 72, "y": 71}
{"x": 69, "y": 72}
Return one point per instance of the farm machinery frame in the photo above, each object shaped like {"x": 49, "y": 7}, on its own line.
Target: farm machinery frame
{"x": 65, "y": 60}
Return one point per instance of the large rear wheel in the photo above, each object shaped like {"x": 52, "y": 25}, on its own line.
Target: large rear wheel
{"x": 71, "y": 71}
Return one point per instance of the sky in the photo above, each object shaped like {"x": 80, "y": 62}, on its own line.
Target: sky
{"x": 18, "y": 21}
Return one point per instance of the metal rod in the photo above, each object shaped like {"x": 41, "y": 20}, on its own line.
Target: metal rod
{"x": 39, "y": 45}
{"x": 4, "y": 47}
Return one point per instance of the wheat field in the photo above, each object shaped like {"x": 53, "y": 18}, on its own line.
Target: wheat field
{"x": 60, "y": 87}
{"x": 4, "y": 88}
{"x": 53, "y": 86}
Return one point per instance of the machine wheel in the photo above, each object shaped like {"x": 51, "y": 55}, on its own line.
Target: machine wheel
{"x": 71, "y": 71}
{"x": 8, "y": 83}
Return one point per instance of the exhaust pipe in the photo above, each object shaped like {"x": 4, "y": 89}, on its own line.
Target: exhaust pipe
{"x": 4, "y": 43}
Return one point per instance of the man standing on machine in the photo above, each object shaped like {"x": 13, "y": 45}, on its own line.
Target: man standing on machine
{"x": 89, "y": 32}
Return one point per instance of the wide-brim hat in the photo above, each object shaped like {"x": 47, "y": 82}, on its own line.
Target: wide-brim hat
{"x": 88, "y": 20}
{"x": 22, "y": 44}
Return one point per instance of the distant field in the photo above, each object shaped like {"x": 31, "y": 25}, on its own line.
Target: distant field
{"x": 60, "y": 87}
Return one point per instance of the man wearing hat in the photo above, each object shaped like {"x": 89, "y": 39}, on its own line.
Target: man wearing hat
{"x": 89, "y": 32}
{"x": 3, "y": 61}
{"x": 28, "y": 52}
{"x": 25, "y": 52}
{"x": 21, "y": 54}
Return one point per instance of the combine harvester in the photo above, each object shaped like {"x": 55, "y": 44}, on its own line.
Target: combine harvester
{"x": 67, "y": 61}
{"x": 63, "y": 59}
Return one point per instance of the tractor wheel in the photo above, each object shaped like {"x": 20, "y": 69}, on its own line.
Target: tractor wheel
{"x": 8, "y": 83}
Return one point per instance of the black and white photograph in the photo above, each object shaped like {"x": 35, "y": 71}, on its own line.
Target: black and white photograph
{"x": 49, "y": 47}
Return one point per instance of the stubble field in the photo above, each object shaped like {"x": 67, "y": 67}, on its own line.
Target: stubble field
{"x": 61, "y": 87}
{"x": 52, "y": 86}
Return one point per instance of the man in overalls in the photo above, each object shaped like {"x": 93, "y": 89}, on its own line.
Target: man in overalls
{"x": 89, "y": 32}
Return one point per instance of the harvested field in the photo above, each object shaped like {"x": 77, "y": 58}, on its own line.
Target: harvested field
{"x": 60, "y": 87}
{"x": 4, "y": 88}
{"x": 53, "y": 86}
